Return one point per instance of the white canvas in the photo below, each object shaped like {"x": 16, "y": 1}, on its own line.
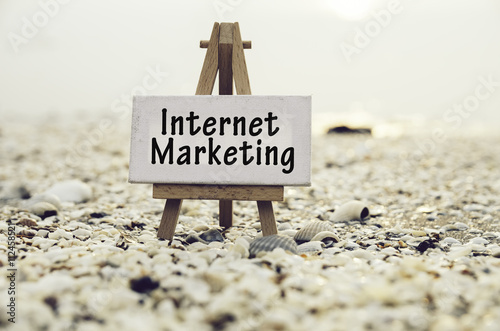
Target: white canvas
{"x": 225, "y": 140}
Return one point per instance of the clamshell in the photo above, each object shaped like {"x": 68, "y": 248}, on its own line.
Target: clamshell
{"x": 310, "y": 230}
{"x": 352, "y": 210}
{"x": 269, "y": 243}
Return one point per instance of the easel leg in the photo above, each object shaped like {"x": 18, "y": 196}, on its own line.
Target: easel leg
{"x": 226, "y": 213}
{"x": 169, "y": 218}
{"x": 267, "y": 220}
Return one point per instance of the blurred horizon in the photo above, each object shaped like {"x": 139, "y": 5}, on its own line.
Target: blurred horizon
{"x": 362, "y": 61}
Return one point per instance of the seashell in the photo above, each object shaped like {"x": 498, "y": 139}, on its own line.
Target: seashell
{"x": 71, "y": 191}
{"x": 352, "y": 210}
{"x": 310, "y": 247}
{"x": 212, "y": 235}
{"x": 43, "y": 209}
{"x": 192, "y": 238}
{"x": 269, "y": 243}
{"x": 451, "y": 241}
{"x": 310, "y": 230}
{"x": 284, "y": 226}
{"x": 479, "y": 241}
{"x": 328, "y": 238}
{"x": 45, "y": 197}
{"x": 27, "y": 222}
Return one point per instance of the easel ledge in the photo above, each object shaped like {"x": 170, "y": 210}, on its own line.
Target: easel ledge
{"x": 218, "y": 192}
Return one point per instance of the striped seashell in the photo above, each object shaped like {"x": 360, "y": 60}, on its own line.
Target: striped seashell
{"x": 310, "y": 230}
{"x": 269, "y": 243}
{"x": 352, "y": 210}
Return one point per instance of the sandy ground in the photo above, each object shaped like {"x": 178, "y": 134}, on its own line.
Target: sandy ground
{"x": 426, "y": 259}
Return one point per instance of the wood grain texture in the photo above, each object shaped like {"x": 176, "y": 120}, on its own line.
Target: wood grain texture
{"x": 226, "y": 59}
{"x": 267, "y": 221}
{"x": 210, "y": 64}
{"x": 218, "y": 192}
{"x": 226, "y": 213}
{"x": 226, "y": 88}
{"x": 247, "y": 44}
{"x": 240, "y": 72}
{"x": 169, "y": 218}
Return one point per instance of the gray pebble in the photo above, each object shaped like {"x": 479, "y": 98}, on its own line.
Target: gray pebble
{"x": 212, "y": 235}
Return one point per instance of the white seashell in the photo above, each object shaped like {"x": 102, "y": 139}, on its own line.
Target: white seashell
{"x": 46, "y": 197}
{"x": 43, "y": 209}
{"x": 479, "y": 241}
{"x": 352, "y": 210}
{"x": 269, "y": 243}
{"x": 495, "y": 252}
{"x": 418, "y": 233}
{"x": 461, "y": 226}
{"x": 351, "y": 246}
{"x": 284, "y": 226}
{"x": 60, "y": 233}
{"x": 362, "y": 254}
{"x": 310, "y": 247}
{"x": 312, "y": 229}
{"x": 460, "y": 252}
{"x": 241, "y": 247}
{"x": 42, "y": 233}
{"x": 451, "y": 241}
{"x": 71, "y": 191}
{"x": 489, "y": 235}
{"x": 389, "y": 251}
{"x": 406, "y": 251}
{"x": 326, "y": 237}
{"x": 201, "y": 227}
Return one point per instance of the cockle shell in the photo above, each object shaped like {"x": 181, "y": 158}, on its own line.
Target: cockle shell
{"x": 310, "y": 230}
{"x": 269, "y": 243}
{"x": 352, "y": 210}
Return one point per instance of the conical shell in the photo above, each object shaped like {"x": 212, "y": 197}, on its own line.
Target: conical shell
{"x": 310, "y": 230}
{"x": 352, "y": 210}
{"x": 269, "y": 243}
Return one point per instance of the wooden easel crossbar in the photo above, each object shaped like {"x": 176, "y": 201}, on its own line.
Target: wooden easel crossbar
{"x": 224, "y": 55}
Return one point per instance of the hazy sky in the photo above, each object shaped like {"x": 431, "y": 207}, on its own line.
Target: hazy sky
{"x": 380, "y": 57}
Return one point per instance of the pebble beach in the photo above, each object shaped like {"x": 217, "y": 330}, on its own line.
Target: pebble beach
{"x": 427, "y": 257}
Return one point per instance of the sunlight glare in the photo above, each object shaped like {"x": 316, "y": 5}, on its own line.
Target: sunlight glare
{"x": 351, "y": 10}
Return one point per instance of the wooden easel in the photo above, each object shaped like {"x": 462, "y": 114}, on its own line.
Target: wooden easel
{"x": 224, "y": 54}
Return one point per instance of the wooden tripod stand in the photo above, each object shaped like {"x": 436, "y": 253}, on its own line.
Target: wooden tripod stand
{"x": 225, "y": 55}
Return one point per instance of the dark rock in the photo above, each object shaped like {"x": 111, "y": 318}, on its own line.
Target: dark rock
{"x": 51, "y": 301}
{"x": 144, "y": 284}
{"x": 192, "y": 238}
{"x": 347, "y": 130}
{"x": 19, "y": 192}
{"x": 98, "y": 215}
{"x": 212, "y": 235}
{"x": 425, "y": 245}
{"x": 221, "y": 321}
